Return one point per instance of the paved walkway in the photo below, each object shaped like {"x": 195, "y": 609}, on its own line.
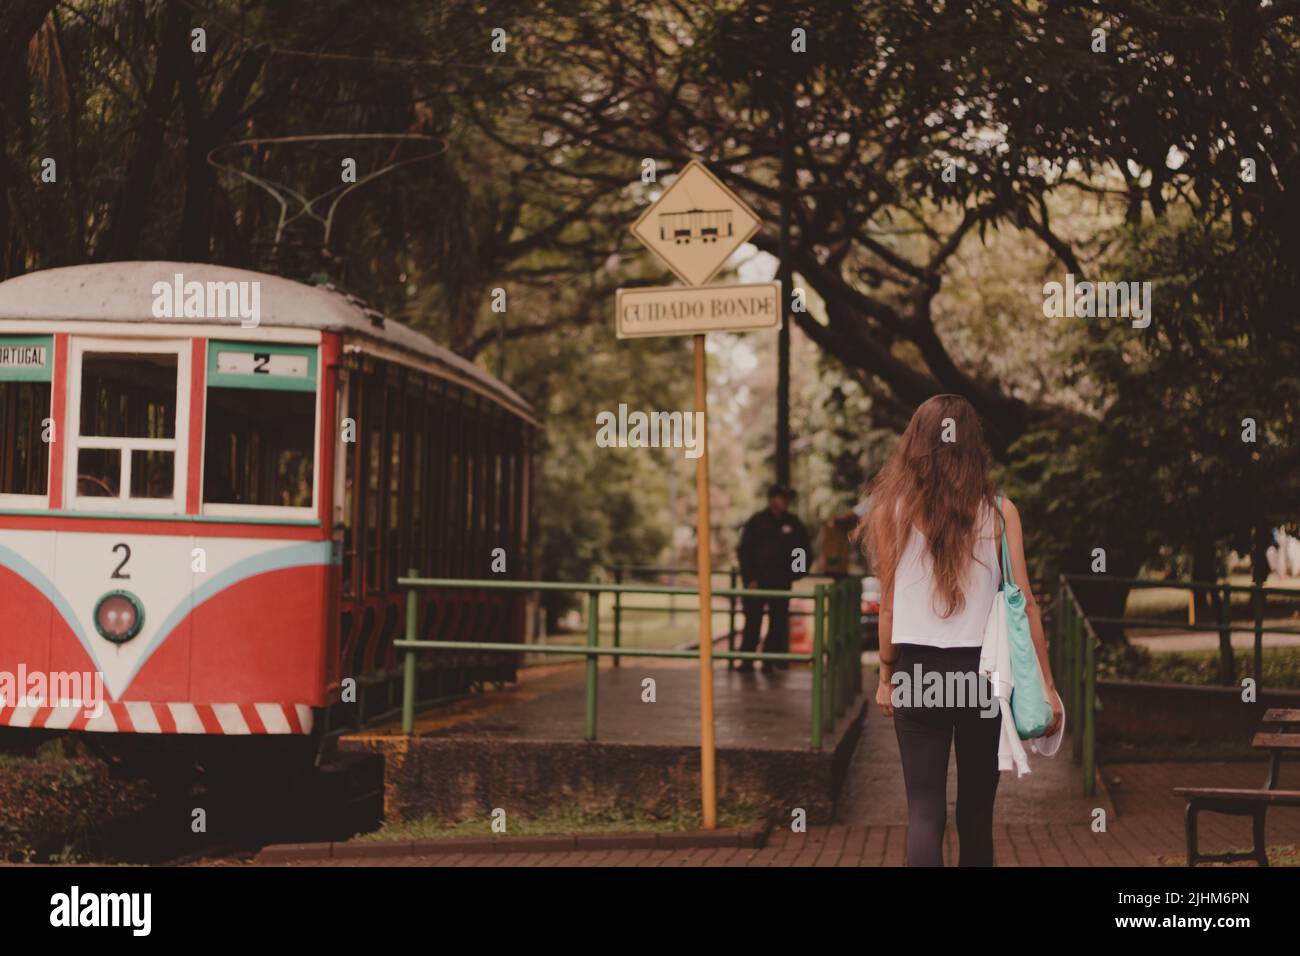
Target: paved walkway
{"x": 1243, "y": 639}
{"x": 1040, "y": 820}
{"x": 751, "y": 711}
{"x": 874, "y": 794}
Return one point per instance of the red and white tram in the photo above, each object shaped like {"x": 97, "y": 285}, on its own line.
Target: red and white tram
{"x": 207, "y": 499}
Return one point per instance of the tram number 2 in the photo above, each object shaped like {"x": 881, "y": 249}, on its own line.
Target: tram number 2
{"x": 125, "y": 550}
{"x": 261, "y": 363}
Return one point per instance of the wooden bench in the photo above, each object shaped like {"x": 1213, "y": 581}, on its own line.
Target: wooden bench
{"x": 1278, "y": 732}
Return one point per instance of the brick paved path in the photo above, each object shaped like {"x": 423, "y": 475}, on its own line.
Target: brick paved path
{"x": 1040, "y": 820}
{"x": 1142, "y": 839}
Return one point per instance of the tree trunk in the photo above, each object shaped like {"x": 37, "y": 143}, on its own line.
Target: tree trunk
{"x": 1209, "y": 604}
{"x": 203, "y": 132}
{"x": 132, "y": 201}
{"x": 22, "y": 20}
{"x": 1259, "y": 569}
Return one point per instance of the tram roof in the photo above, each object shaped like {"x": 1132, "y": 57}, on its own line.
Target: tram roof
{"x": 122, "y": 292}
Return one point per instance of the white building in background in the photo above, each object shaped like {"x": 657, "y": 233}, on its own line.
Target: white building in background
{"x": 1284, "y": 556}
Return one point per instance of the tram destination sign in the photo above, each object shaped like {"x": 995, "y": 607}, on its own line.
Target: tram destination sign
{"x": 275, "y": 366}
{"x": 22, "y": 356}
{"x": 255, "y": 363}
{"x": 26, "y": 358}
{"x": 682, "y": 310}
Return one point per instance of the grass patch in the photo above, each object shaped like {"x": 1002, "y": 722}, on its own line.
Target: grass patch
{"x": 658, "y": 628}
{"x": 561, "y": 824}
{"x": 1198, "y": 668}
{"x": 1171, "y": 603}
{"x": 1156, "y": 602}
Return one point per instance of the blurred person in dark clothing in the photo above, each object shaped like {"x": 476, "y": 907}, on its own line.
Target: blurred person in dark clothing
{"x": 767, "y": 552}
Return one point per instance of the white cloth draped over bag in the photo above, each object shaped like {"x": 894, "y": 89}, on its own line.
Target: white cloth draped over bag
{"x": 995, "y": 664}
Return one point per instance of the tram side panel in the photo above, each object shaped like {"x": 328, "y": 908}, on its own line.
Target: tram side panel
{"x": 238, "y": 648}
{"x": 26, "y": 569}
{"x": 260, "y": 628}
{"x": 453, "y": 465}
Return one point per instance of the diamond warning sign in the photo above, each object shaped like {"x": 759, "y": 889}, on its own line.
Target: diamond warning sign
{"x": 696, "y": 225}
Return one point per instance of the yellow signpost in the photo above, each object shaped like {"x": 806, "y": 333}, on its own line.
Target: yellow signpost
{"x": 704, "y": 571}
{"x": 694, "y": 227}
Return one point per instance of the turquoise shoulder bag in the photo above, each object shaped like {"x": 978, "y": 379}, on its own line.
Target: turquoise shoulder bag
{"x": 1029, "y": 706}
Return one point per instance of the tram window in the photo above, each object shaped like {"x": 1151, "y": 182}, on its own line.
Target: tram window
{"x": 395, "y": 502}
{"x": 370, "y": 564}
{"x": 99, "y": 471}
{"x": 416, "y": 501}
{"x": 394, "y": 539}
{"x": 126, "y": 441}
{"x": 258, "y": 448}
{"x": 128, "y": 395}
{"x": 349, "y": 408}
{"x": 24, "y": 453}
{"x": 152, "y": 474}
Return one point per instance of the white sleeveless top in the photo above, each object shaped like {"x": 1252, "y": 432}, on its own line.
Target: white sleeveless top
{"x": 916, "y": 606}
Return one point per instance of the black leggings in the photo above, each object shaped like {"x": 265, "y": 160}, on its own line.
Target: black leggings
{"x": 925, "y": 736}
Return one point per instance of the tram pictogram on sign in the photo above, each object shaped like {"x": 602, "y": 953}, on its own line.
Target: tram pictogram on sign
{"x": 702, "y": 225}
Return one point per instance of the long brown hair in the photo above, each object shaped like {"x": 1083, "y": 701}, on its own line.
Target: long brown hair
{"x": 937, "y": 480}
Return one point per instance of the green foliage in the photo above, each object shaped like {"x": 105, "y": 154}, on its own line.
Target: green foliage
{"x": 59, "y": 800}
{"x": 1198, "y": 668}
{"x": 841, "y": 445}
{"x": 600, "y": 506}
{"x": 1164, "y": 461}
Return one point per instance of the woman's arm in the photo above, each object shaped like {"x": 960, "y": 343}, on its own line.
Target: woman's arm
{"x": 884, "y": 689}
{"x": 1019, "y": 568}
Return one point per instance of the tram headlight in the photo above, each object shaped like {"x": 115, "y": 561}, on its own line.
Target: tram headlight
{"x": 119, "y": 616}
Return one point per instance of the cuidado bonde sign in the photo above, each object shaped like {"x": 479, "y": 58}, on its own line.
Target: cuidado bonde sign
{"x": 682, "y": 310}
{"x": 693, "y": 228}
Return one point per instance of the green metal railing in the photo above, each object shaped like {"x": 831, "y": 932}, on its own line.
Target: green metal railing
{"x": 1223, "y": 626}
{"x": 620, "y": 571}
{"x": 1074, "y": 658}
{"x": 835, "y": 657}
